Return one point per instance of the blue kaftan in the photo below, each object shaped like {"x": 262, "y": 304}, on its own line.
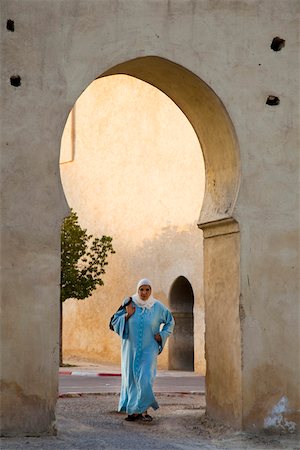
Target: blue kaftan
{"x": 139, "y": 354}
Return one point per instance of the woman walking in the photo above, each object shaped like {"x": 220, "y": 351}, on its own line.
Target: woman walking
{"x": 138, "y": 323}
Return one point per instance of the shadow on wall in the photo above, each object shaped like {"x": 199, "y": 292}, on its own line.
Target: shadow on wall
{"x": 174, "y": 253}
{"x": 170, "y": 253}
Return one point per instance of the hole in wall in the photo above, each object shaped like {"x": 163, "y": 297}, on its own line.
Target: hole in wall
{"x": 10, "y": 25}
{"x": 272, "y": 100}
{"x": 277, "y": 44}
{"x": 15, "y": 80}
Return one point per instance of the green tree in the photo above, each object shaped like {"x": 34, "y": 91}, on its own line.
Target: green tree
{"x": 83, "y": 261}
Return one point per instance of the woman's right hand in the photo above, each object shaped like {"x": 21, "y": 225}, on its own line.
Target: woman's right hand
{"x": 130, "y": 309}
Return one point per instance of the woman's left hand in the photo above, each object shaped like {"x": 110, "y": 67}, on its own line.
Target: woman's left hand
{"x": 157, "y": 337}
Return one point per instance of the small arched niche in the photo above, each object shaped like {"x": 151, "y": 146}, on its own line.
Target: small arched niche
{"x": 181, "y": 345}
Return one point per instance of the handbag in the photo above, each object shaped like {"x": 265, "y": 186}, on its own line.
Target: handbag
{"x": 120, "y": 309}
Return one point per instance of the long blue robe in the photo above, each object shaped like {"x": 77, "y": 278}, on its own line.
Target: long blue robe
{"x": 139, "y": 354}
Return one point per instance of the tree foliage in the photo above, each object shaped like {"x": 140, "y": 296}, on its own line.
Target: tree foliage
{"x": 83, "y": 259}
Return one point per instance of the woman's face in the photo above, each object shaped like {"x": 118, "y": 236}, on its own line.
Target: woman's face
{"x": 144, "y": 292}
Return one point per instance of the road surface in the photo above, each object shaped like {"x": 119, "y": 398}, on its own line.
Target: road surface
{"x": 69, "y": 384}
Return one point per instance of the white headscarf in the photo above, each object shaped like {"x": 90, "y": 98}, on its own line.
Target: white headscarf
{"x": 144, "y": 303}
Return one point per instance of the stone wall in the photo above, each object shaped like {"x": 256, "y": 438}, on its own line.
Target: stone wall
{"x": 214, "y": 60}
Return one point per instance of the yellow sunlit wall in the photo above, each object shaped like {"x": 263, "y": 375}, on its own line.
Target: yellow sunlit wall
{"x": 132, "y": 168}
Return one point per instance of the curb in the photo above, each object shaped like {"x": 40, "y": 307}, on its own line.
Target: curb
{"x": 89, "y": 374}
{"x": 87, "y": 394}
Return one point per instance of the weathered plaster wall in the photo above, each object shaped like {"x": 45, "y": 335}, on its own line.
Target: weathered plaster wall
{"x": 58, "y": 48}
{"x": 268, "y": 214}
{"x": 222, "y": 317}
{"x": 138, "y": 175}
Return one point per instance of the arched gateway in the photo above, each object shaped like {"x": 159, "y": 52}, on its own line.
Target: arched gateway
{"x": 216, "y": 134}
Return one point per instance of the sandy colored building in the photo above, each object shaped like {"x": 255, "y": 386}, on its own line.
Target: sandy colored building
{"x": 148, "y": 200}
{"x": 232, "y": 67}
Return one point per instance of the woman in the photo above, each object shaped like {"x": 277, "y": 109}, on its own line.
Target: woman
{"x": 139, "y": 325}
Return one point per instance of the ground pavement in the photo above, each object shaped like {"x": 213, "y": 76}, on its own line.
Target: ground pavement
{"x": 91, "y": 422}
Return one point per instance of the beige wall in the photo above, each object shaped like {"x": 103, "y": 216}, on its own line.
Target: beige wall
{"x": 223, "y": 70}
{"x": 137, "y": 175}
{"x": 222, "y": 317}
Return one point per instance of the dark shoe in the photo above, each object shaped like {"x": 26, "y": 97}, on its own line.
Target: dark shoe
{"x": 132, "y": 417}
{"x": 145, "y": 418}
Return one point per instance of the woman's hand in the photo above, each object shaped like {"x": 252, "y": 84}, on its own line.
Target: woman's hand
{"x": 157, "y": 337}
{"x": 130, "y": 309}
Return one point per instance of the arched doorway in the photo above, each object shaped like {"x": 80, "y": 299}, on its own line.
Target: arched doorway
{"x": 215, "y": 132}
{"x": 181, "y": 345}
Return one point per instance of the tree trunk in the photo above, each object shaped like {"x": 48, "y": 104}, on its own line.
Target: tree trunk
{"x": 60, "y": 333}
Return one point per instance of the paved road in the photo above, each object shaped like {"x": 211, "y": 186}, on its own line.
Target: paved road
{"x": 111, "y": 384}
